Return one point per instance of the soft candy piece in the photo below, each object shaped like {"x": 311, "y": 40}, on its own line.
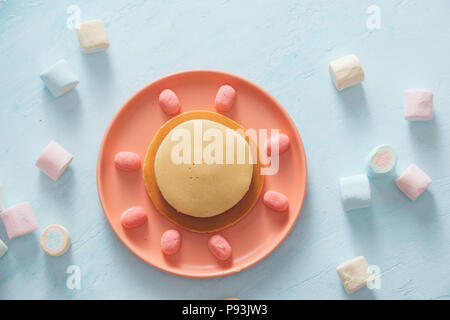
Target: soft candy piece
{"x": 219, "y": 247}
{"x": 276, "y": 201}
{"x": 413, "y": 182}
{"x": 54, "y": 160}
{"x": 2, "y": 203}
{"x": 346, "y": 72}
{"x": 3, "y": 248}
{"x": 169, "y": 102}
{"x": 92, "y": 36}
{"x": 55, "y": 240}
{"x": 127, "y": 161}
{"x": 170, "y": 242}
{"x": 418, "y": 105}
{"x": 355, "y": 274}
{"x": 19, "y": 220}
{"x": 355, "y": 192}
{"x": 281, "y": 139}
{"x": 59, "y": 78}
{"x": 381, "y": 161}
{"x": 225, "y": 98}
{"x": 133, "y": 217}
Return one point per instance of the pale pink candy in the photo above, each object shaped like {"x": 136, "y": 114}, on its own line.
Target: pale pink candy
{"x": 169, "y": 102}
{"x": 127, "y": 161}
{"x": 19, "y": 220}
{"x": 170, "y": 242}
{"x": 276, "y": 201}
{"x": 225, "y": 98}
{"x": 54, "y": 160}
{"x": 133, "y": 217}
{"x": 413, "y": 182}
{"x": 418, "y": 105}
{"x": 281, "y": 139}
{"x": 219, "y": 247}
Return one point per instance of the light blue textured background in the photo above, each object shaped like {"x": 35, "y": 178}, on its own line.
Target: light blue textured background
{"x": 285, "y": 47}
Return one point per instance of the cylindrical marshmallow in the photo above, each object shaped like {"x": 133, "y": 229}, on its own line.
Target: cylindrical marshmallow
{"x": 346, "y": 72}
{"x": 169, "y": 102}
{"x": 413, "y": 182}
{"x": 170, "y": 242}
{"x": 3, "y": 248}
{"x": 418, "y": 105}
{"x": 55, "y": 240}
{"x": 92, "y": 36}
{"x": 279, "y": 141}
{"x": 127, "y": 161}
{"x": 381, "y": 161}
{"x": 133, "y": 217}
{"x": 226, "y": 95}
{"x": 276, "y": 200}
{"x": 19, "y": 220}
{"x": 59, "y": 78}
{"x": 219, "y": 247}
{"x": 355, "y": 192}
{"x": 54, "y": 160}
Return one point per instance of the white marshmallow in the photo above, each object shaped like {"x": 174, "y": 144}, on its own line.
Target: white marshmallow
{"x": 59, "y": 78}
{"x": 346, "y": 72}
{"x": 3, "y": 248}
{"x": 92, "y": 36}
{"x": 355, "y": 192}
{"x": 355, "y": 274}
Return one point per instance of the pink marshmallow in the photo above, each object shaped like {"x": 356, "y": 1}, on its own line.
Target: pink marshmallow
{"x": 170, "y": 242}
{"x": 169, "y": 102}
{"x": 19, "y": 220}
{"x": 127, "y": 161}
{"x": 54, "y": 160}
{"x": 133, "y": 217}
{"x": 281, "y": 139}
{"x": 418, "y": 105}
{"x": 219, "y": 247}
{"x": 225, "y": 98}
{"x": 413, "y": 182}
{"x": 276, "y": 200}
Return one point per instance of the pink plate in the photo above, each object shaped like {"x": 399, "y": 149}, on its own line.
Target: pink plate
{"x": 255, "y": 236}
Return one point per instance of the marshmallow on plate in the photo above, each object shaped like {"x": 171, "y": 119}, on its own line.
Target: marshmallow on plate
{"x": 59, "y": 78}
{"x": 2, "y": 203}
{"x": 354, "y": 274}
{"x": 170, "y": 242}
{"x": 413, "y": 182}
{"x": 169, "y": 102}
{"x": 3, "y": 248}
{"x": 219, "y": 247}
{"x": 54, "y": 160}
{"x": 19, "y": 220}
{"x": 92, "y": 36}
{"x": 346, "y": 72}
{"x": 381, "y": 161}
{"x": 55, "y": 240}
{"x": 226, "y": 95}
{"x": 418, "y": 105}
{"x": 355, "y": 192}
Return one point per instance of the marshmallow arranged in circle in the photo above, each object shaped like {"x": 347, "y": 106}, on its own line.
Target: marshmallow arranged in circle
{"x": 280, "y": 141}
{"x": 54, "y": 160}
{"x": 276, "y": 200}
{"x": 354, "y": 274}
{"x": 170, "y": 242}
{"x": 219, "y": 247}
{"x": 226, "y": 95}
{"x": 2, "y": 203}
{"x": 92, "y": 36}
{"x": 59, "y": 78}
{"x": 355, "y": 192}
{"x": 127, "y": 161}
{"x": 169, "y": 102}
{"x": 3, "y": 248}
{"x": 55, "y": 240}
{"x": 346, "y": 72}
{"x": 19, "y": 220}
{"x": 381, "y": 161}
{"x": 413, "y": 182}
{"x": 418, "y": 105}
{"x": 133, "y": 217}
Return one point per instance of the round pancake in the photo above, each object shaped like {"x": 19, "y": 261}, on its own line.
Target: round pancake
{"x": 203, "y": 178}
{"x": 202, "y": 225}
